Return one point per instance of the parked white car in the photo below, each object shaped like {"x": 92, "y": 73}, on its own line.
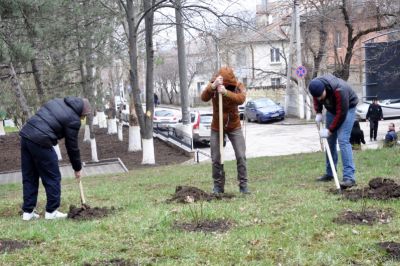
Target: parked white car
{"x": 164, "y": 118}
{"x": 200, "y": 122}
{"x": 390, "y": 108}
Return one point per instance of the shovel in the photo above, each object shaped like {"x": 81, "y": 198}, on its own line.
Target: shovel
{"x": 83, "y": 200}
{"x": 328, "y": 151}
{"x": 221, "y": 136}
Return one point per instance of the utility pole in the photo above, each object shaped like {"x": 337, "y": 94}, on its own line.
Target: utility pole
{"x": 303, "y": 97}
{"x": 182, "y": 64}
{"x": 298, "y": 57}
{"x": 290, "y": 95}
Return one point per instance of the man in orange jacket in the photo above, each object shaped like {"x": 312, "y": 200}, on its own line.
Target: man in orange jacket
{"x": 234, "y": 94}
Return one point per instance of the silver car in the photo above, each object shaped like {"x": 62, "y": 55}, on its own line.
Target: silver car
{"x": 200, "y": 127}
{"x": 390, "y": 108}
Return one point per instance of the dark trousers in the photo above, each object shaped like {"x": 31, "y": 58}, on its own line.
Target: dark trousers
{"x": 239, "y": 146}
{"x": 37, "y": 161}
{"x": 373, "y": 129}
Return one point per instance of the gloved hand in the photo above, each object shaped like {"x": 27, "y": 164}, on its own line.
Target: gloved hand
{"x": 319, "y": 118}
{"x": 324, "y": 133}
{"x": 218, "y": 81}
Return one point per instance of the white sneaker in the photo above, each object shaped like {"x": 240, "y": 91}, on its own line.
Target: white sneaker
{"x": 55, "y": 215}
{"x": 27, "y": 216}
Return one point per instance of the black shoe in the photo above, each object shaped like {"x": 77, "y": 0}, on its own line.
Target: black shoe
{"x": 325, "y": 178}
{"x": 244, "y": 190}
{"x": 347, "y": 184}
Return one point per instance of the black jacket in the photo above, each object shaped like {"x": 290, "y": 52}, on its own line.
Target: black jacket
{"x": 339, "y": 99}
{"x": 357, "y": 135}
{"x": 374, "y": 112}
{"x": 57, "y": 119}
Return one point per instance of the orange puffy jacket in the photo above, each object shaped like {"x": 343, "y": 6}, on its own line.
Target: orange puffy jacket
{"x": 236, "y": 95}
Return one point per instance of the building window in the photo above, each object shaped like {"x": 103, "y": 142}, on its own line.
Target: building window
{"x": 275, "y": 55}
{"x": 275, "y": 82}
{"x": 338, "y": 39}
{"x": 200, "y": 86}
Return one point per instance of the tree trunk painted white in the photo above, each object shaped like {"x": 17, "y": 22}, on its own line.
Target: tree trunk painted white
{"x": 95, "y": 121}
{"x": 86, "y": 136}
{"x": 2, "y": 131}
{"x": 112, "y": 126}
{"x": 148, "y": 151}
{"x": 93, "y": 147}
{"x": 135, "y": 143}
{"x": 101, "y": 117}
{"x": 58, "y": 152}
{"x": 120, "y": 132}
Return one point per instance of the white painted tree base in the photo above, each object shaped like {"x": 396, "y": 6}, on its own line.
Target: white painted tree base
{"x": 58, "y": 152}
{"x": 86, "y": 136}
{"x": 135, "y": 143}
{"x": 101, "y": 117}
{"x": 148, "y": 151}
{"x": 112, "y": 126}
{"x": 93, "y": 147}
{"x": 95, "y": 121}
{"x": 120, "y": 132}
{"x": 2, "y": 131}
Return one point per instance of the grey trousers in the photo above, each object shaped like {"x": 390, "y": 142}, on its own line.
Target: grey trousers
{"x": 239, "y": 146}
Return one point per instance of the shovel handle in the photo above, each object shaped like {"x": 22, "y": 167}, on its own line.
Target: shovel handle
{"x": 81, "y": 191}
{"x": 221, "y": 128}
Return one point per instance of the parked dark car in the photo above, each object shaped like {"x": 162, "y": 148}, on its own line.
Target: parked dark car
{"x": 263, "y": 110}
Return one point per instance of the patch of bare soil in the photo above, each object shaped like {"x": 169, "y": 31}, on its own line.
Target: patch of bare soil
{"x": 206, "y": 226}
{"x": 392, "y": 248}
{"x": 112, "y": 262}
{"x": 378, "y": 188}
{"x": 188, "y": 194}
{"x": 88, "y": 213}
{"x": 367, "y": 217}
{"x": 11, "y": 245}
{"x": 108, "y": 146}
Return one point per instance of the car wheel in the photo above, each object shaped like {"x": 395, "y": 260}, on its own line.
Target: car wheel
{"x": 248, "y": 119}
{"x": 259, "y": 119}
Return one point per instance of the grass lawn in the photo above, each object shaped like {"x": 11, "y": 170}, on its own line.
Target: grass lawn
{"x": 287, "y": 220}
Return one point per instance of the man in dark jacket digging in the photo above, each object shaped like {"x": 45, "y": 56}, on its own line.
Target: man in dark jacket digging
{"x": 234, "y": 94}
{"x": 340, "y": 102}
{"x": 57, "y": 119}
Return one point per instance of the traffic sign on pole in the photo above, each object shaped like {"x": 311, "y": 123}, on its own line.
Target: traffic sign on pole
{"x": 301, "y": 71}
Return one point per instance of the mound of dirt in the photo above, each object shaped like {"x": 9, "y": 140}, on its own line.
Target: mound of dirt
{"x": 188, "y": 194}
{"x": 88, "y": 213}
{"x": 367, "y": 217}
{"x": 11, "y": 245}
{"x": 378, "y": 188}
{"x": 112, "y": 262}
{"x": 392, "y": 248}
{"x": 206, "y": 226}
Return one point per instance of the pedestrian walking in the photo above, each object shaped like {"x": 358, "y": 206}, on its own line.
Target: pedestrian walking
{"x": 374, "y": 114}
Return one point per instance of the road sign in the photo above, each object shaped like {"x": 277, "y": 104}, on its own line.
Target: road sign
{"x": 301, "y": 71}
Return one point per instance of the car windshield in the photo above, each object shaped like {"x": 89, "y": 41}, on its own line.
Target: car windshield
{"x": 163, "y": 113}
{"x": 206, "y": 118}
{"x": 264, "y": 103}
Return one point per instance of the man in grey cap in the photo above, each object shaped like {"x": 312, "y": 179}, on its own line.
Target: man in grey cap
{"x": 58, "y": 118}
{"x": 340, "y": 103}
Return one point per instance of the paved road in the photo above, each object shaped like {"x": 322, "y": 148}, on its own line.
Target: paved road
{"x": 292, "y": 136}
